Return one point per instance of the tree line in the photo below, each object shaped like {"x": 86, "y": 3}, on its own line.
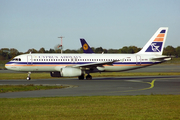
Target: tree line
{"x": 7, "y": 54}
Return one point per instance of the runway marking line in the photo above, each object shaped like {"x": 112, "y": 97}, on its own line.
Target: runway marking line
{"x": 151, "y": 83}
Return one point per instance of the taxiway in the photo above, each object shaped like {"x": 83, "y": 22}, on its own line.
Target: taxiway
{"x": 112, "y": 86}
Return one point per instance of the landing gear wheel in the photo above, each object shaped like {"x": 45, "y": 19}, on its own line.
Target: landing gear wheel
{"x": 81, "y": 77}
{"x": 88, "y": 77}
{"x": 28, "y": 77}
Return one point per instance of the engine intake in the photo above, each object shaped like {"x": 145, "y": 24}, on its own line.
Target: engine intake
{"x": 71, "y": 72}
{"x": 67, "y": 72}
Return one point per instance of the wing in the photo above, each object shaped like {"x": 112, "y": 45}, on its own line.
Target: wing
{"x": 96, "y": 64}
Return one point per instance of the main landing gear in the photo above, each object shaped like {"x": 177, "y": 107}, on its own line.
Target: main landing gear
{"x": 88, "y": 77}
{"x": 28, "y": 77}
{"x": 81, "y": 77}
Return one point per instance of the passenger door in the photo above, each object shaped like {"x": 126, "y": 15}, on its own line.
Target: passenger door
{"x": 138, "y": 60}
{"x": 29, "y": 60}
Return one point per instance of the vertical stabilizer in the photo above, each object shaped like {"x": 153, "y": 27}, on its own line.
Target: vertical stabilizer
{"x": 86, "y": 48}
{"x": 156, "y": 44}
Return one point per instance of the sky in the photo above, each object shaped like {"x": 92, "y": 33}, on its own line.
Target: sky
{"x": 27, "y": 24}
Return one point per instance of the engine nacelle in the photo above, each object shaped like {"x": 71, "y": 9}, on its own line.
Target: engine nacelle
{"x": 70, "y": 72}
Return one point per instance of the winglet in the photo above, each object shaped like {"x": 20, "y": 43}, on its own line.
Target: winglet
{"x": 156, "y": 44}
{"x": 86, "y": 48}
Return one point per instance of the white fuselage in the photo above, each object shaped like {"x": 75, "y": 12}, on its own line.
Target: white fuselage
{"x": 54, "y": 62}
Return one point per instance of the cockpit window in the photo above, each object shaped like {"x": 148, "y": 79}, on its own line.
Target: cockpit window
{"x": 16, "y": 59}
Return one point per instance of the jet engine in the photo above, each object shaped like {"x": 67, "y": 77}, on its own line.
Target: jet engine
{"x": 67, "y": 72}
{"x": 71, "y": 72}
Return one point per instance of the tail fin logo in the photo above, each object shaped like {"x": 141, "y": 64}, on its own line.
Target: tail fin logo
{"x": 85, "y": 46}
{"x": 155, "y": 47}
{"x": 157, "y": 43}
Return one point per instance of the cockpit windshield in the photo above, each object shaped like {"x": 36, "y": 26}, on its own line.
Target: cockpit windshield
{"x": 16, "y": 59}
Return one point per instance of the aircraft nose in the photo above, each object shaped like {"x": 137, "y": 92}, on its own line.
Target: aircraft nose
{"x": 7, "y": 66}
{"x": 11, "y": 66}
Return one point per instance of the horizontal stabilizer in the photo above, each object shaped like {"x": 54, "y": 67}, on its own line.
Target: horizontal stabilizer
{"x": 162, "y": 58}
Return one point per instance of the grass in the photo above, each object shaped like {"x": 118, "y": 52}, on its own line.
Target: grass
{"x": 153, "y": 107}
{"x": 30, "y": 87}
{"x": 10, "y": 76}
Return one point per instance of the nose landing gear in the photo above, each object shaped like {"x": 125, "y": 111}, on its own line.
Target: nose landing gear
{"x": 28, "y": 77}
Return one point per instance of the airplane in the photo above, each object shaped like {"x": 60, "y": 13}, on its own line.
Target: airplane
{"x": 86, "y": 48}
{"x": 77, "y": 65}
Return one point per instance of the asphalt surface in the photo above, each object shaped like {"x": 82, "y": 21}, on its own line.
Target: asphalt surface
{"x": 109, "y": 86}
{"x": 100, "y": 86}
